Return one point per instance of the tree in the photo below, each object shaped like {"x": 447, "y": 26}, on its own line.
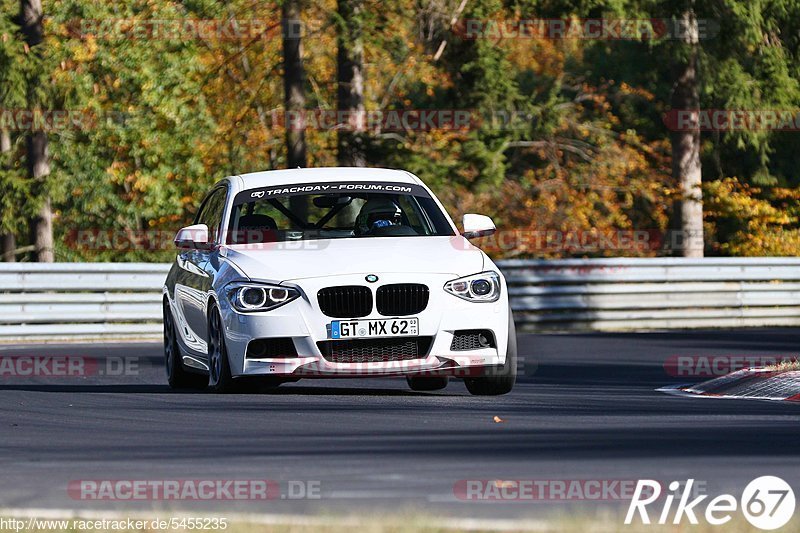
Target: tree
{"x": 568, "y": 133}
{"x": 138, "y": 170}
{"x": 294, "y": 78}
{"x": 8, "y": 241}
{"x": 294, "y": 83}
{"x": 38, "y": 155}
{"x": 13, "y": 182}
{"x": 686, "y": 168}
{"x": 350, "y": 83}
{"x": 743, "y": 60}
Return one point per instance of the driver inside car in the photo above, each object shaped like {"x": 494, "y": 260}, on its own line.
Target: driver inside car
{"x": 376, "y": 215}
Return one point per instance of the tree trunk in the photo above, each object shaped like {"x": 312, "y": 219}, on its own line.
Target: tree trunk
{"x": 5, "y": 141}
{"x": 38, "y": 157}
{"x": 41, "y": 225}
{"x": 294, "y": 84}
{"x": 8, "y": 243}
{"x": 686, "y": 169}
{"x": 350, "y": 84}
{"x": 350, "y": 94}
{"x": 294, "y": 97}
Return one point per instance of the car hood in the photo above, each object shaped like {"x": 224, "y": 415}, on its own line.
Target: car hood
{"x": 296, "y": 260}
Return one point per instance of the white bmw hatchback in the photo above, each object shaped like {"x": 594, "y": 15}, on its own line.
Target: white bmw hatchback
{"x": 334, "y": 272}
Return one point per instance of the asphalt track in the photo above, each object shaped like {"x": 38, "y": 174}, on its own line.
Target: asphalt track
{"x": 590, "y": 411}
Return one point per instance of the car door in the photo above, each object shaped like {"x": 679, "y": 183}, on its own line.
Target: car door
{"x": 196, "y": 274}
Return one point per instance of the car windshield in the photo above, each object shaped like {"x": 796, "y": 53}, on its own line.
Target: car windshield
{"x": 335, "y": 211}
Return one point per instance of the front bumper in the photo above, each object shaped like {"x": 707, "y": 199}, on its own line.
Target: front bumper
{"x": 303, "y": 321}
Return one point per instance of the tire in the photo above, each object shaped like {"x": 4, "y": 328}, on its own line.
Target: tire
{"x": 427, "y": 383}
{"x": 498, "y": 379}
{"x": 219, "y": 368}
{"x": 177, "y": 375}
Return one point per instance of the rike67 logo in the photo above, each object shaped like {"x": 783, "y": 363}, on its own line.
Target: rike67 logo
{"x": 767, "y": 503}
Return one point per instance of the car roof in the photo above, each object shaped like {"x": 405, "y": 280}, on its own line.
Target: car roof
{"x": 255, "y": 180}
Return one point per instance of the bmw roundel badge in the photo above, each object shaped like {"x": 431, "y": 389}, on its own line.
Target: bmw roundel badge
{"x": 372, "y": 278}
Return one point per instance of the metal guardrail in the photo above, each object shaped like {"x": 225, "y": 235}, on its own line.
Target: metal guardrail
{"x": 638, "y": 294}
{"x": 89, "y": 300}
{"x": 80, "y": 300}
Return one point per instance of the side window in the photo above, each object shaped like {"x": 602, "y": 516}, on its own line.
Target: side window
{"x": 211, "y": 213}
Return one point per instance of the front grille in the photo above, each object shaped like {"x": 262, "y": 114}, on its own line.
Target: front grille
{"x": 272, "y": 348}
{"x": 472, "y": 339}
{"x": 402, "y": 299}
{"x": 347, "y": 301}
{"x": 375, "y": 350}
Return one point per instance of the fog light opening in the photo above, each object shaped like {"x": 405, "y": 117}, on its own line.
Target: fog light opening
{"x": 257, "y": 348}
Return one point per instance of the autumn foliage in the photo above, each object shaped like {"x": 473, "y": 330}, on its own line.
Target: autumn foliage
{"x": 567, "y": 135}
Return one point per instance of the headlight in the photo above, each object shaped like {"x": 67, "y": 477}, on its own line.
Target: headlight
{"x": 483, "y": 287}
{"x": 251, "y": 297}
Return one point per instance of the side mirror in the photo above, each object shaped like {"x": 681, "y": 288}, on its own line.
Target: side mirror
{"x": 477, "y": 226}
{"x": 193, "y": 237}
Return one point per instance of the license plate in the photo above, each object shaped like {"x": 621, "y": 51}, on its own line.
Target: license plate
{"x": 357, "y": 329}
